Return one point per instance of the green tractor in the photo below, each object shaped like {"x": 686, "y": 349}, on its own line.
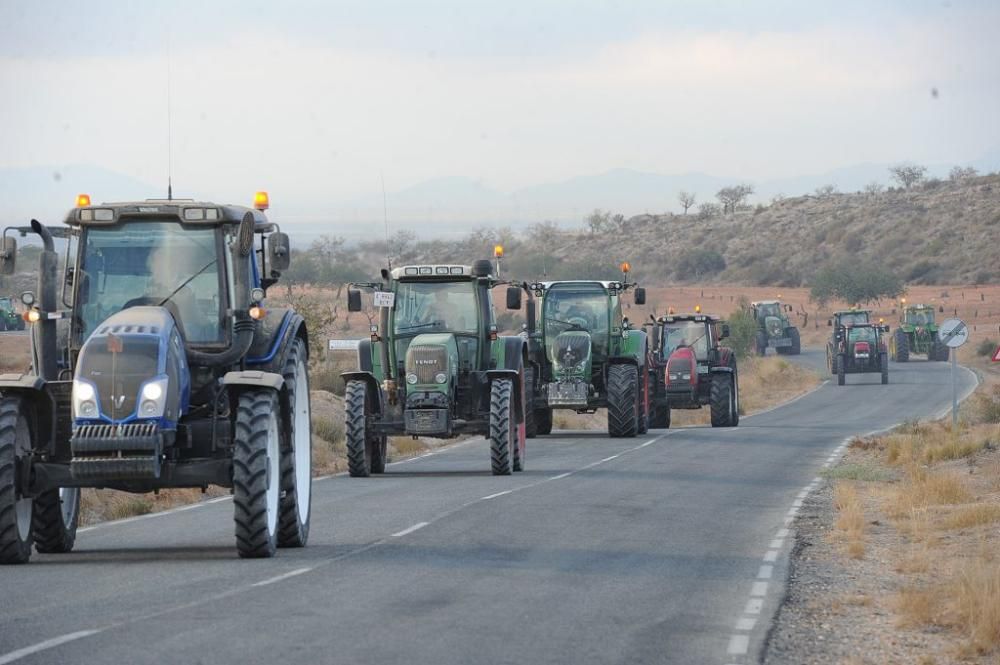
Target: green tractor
{"x": 10, "y": 319}
{"x": 439, "y": 368}
{"x": 774, "y": 330}
{"x": 917, "y": 333}
{"x": 587, "y": 355}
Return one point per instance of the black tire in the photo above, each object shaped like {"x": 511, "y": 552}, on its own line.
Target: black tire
{"x": 296, "y": 451}
{"x": 796, "y": 347}
{"x": 623, "y": 402}
{"x": 3, "y": 323}
{"x": 945, "y": 355}
{"x": 502, "y": 435}
{"x": 902, "y": 344}
{"x": 543, "y": 421}
{"x": 938, "y": 350}
{"x": 760, "y": 342}
{"x": 256, "y": 473}
{"x": 15, "y": 512}
{"x": 643, "y": 408}
{"x": 883, "y": 360}
{"x": 55, "y": 516}
{"x": 841, "y": 369}
{"x": 359, "y": 444}
{"x": 722, "y": 400}
{"x": 660, "y": 417}
{"x": 736, "y": 398}
{"x": 831, "y": 361}
{"x": 530, "y": 424}
{"x": 379, "y": 453}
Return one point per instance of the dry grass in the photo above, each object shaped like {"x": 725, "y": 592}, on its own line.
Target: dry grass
{"x": 923, "y": 487}
{"x": 850, "y": 525}
{"x": 975, "y": 598}
{"x": 765, "y": 382}
{"x": 917, "y": 607}
{"x": 967, "y": 517}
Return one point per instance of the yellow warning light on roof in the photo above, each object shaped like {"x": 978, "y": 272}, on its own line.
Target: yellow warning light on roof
{"x": 626, "y": 266}
{"x": 902, "y": 301}
{"x": 261, "y": 201}
{"x": 670, "y": 310}
{"x": 82, "y": 200}
{"x": 697, "y": 309}
{"x": 498, "y": 251}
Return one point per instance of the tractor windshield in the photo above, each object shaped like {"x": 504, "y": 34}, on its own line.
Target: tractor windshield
{"x": 861, "y": 334}
{"x": 853, "y": 318}
{"x": 920, "y": 317}
{"x": 770, "y": 309}
{"x": 6, "y": 304}
{"x": 686, "y": 333}
{"x": 153, "y": 263}
{"x": 435, "y": 307}
{"x": 578, "y": 308}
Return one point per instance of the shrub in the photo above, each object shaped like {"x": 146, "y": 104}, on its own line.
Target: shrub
{"x": 986, "y": 347}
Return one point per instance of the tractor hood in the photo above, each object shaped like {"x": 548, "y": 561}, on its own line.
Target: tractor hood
{"x": 432, "y": 360}
{"x": 132, "y": 368}
{"x": 570, "y": 353}
{"x": 774, "y": 326}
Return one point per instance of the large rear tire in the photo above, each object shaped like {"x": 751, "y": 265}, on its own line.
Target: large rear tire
{"x": 722, "y": 400}
{"x": 660, "y": 417}
{"x": 55, "y": 516}
{"x": 760, "y": 343}
{"x": 543, "y": 421}
{"x": 643, "y": 397}
{"x": 359, "y": 440}
{"x": 257, "y": 473}
{"x": 623, "y": 402}
{"x": 502, "y": 430}
{"x": 901, "y": 342}
{"x": 296, "y": 451}
{"x": 15, "y": 510}
{"x": 831, "y": 361}
{"x": 841, "y": 369}
{"x": 796, "y": 347}
{"x": 530, "y": 422}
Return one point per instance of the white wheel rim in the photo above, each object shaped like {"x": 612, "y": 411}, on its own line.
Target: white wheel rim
{"x": 302, "y": 443}
{"x": 273, "y": 474}
{"x": 68, "y": 498}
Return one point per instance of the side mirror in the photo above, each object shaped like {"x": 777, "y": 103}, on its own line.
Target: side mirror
{"x": 829, "y": 322}
{"x": 654, "y": 335}
{"x": 640, "y": 295}
{"x": 8, "y": 256}
{"x": 725, "y": 331}
{"x": 788, "y": 308}
{"x": 513, "y": 297}
{"x": 353, "y": 300}
{"x": 941, "y": 309}
{"x": 278, "y": 251}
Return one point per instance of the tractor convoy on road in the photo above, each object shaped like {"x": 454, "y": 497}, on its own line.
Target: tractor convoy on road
{"x": 156, "y": 362}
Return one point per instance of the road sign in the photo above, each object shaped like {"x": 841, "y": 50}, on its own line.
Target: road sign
{"x": 383, "y": 298}
{"x": 954, "y": 333}
{"x": 343, "y": 344}
{"x": 996, "y": 355}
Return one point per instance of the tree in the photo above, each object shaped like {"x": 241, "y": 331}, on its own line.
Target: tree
{"x": 874, "y": 189}
{"x": 733, "y": 197}
{"x": 687, "y": 199}
{"x": 855, "y": 283}
{"x": 907, "y": 174}
{"x": 697, "y": 263}
{"x": 963, "y": 173}
{"x": 826, "y": 191}
{"x": 708, "y": 210}
{"x": 618, "y": 222}
{"x": 742, "y": 328}
{"x": 598, "y": 221}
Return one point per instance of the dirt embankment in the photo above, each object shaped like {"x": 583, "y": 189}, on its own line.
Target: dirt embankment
{"x": 897, "y": 556}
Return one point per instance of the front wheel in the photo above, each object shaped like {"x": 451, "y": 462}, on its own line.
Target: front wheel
{"x": 623, "y": 400}
{"x": 364, "y": 449}
{"x": 296, "y": 451}
{"x": 15, "y": 509}
{"x": 257, "y": 473}
{"x": 901, "y": 344}
{"x": 660, "y": 417}
{"x": 796, "y": 347}
{"x": 543, "y": 421}
{"x": 55, "y": 517}
{"x": 502, "y": 437}
{"x": 841, "y": 369}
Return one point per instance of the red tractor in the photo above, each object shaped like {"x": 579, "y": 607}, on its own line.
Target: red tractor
{"x": 691, "y": 370}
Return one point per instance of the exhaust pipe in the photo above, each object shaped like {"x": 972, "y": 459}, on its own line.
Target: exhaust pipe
{"x": 44, "y": 335}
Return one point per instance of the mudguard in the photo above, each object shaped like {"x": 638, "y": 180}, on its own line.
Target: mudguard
{"x": 273, "y": 338}
{"x": 254, "y": 378}
{"x": 633, "y": 350}
{"x": 371, "y": 381}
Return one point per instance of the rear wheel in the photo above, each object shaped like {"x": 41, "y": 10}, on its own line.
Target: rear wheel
{"x": 296, "y": 452}
{"x": 543, "y": 421}
{"x": 722, "y": 400}
{"x": 831, "y": 361}
{"x": 361, "y": 444}
{"x": 760, "y": 342}
{"x": 884, "y": 367}
{"x": 15, "y": 510}
{"x": 257, "y": 473}
{"x": 659, "y": 417}
{"x": 841, "y": 369}
{"x": 54, "y": 520}
{"x": 502, "y": 435}
{"x": 643, "y": 396}
{"x": 796, "y": 347}
{"x": 902, "y": 344}
{"x": 623, "y": 403}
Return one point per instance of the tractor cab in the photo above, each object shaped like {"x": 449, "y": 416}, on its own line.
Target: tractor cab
{"x": 919, "y": 316}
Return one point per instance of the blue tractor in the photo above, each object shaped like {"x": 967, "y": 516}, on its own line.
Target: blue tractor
{"x": 157, "y": 364}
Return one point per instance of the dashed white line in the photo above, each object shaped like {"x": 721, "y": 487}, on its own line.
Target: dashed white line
{"x": 47, "y": 644}
{"x": 771, "y": 556}
{"x": 285, "y": 576}
{"x": 759, "y": 589}
{"x": 776, "y": 544}
{"x": 409, "y": 530}
{"x": 754, "y": 606}
{"x": 746, "y": 623}
{"x": 560, "y": 476}
{"x": 738, "y": 645}
{"x": 493, "y": 496}
{"x": 765, "y": 572}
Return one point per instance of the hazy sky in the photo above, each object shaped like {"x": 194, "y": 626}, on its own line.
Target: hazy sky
{"x": 315, "y": 98}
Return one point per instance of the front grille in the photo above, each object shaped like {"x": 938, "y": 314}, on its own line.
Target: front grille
{"x": 426, "y": 362}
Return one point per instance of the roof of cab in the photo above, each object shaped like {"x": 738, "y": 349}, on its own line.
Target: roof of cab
{"x": 183, "y": 210}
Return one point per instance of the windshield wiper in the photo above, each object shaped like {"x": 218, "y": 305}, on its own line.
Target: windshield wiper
{"x": 186, "y": 282}
{"x": 567, "y": 323}
{"x": 420, "y": 325}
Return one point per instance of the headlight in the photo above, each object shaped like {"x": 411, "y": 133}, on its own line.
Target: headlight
{"x": 411, "y": 378}
{"x": 153, "y": 398}
{"x": 440, "y": 377}
{"x": 84, "y": 400}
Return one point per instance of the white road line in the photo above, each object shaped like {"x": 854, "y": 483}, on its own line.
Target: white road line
{"x": 746, "y": 623}
{"x": 278, "y": 578}
{"x": 754, "y": 606}
{"x": 776, "y": 544}
{"x": 47, "y": 644}
{"x": 765, "y": 572}
{"x": 493, "y": 496}
{"x": 817, "y": 480}
{"x": 608, "y": 459}
{"x": 771, "y": 556}
{"x": 409, "y": 530}
{"x": 560, "y": 476}
{"x": 758, "y": 590}
{"x": 788, "y": 521}
{"x": 782, "y": 533}
{"x": 738, "y": 645}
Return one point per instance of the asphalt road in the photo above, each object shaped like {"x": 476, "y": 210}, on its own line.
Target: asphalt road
{"x": 665, "y": 548}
